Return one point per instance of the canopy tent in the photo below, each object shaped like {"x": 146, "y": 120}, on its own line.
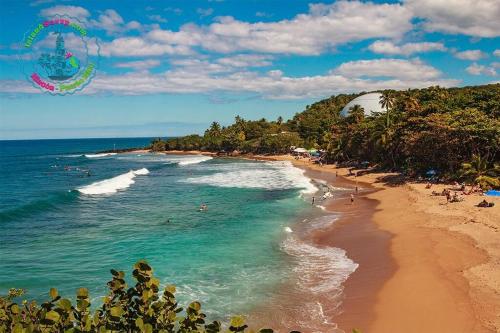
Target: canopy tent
{"x": 493, "y": 193}
{"x": 431, "y": 172}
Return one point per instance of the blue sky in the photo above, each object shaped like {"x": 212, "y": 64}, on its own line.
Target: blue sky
{"x": 171, "y": 67}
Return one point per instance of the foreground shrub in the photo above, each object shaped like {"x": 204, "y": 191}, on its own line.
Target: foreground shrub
{"x": 136, "y": 309}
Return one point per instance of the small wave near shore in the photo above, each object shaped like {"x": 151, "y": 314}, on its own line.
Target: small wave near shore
{"x": 113, "y": 185}
{"x": 265, "y": 175}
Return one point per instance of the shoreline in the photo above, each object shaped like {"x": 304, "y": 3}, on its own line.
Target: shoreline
{"x": 436, "y": 267}
{"x": 446, "y": 270}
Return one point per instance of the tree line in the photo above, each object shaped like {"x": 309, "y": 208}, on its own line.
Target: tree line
{"x": 455, "y": 131}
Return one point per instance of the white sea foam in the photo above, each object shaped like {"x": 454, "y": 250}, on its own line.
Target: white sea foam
{"x": 268, "y": 175}
{"x": 181, "y": 160}
{"x": 113, "y": 185}
{"x": 319, "y": 270}
{"x": 99, "y": 155}
{"x": 193, "y": 159}
{"x": 288, "y": 229}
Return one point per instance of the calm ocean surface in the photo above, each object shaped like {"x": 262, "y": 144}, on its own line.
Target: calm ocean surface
{"x": 68, "y": 215}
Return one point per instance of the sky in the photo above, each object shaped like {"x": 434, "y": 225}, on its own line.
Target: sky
{"x": 170, "y": 68}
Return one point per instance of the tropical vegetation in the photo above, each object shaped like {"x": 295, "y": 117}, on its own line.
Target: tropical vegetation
{"x": 443, "y": 129}
{"x": 140, "y": 308}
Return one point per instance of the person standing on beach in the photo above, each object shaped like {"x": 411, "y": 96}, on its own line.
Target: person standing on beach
{"x": 356, "y": 189}
{"x": 313, "y": 200}
{"x": 352, "y": 198}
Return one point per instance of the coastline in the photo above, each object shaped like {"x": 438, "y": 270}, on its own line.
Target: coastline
{"x": 445, "y": 271}
{"x": 425, "y": 266}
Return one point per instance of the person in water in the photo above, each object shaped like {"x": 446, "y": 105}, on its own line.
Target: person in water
{"x": 203, "y": 207}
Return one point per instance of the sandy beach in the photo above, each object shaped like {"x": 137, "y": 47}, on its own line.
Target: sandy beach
{"x": 425, "y": 265}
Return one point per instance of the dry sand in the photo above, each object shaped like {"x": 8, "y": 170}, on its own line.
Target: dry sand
{"x": 440, "y": 271}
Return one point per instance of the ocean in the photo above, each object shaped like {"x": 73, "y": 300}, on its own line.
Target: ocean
{"x": 68, "y": 215}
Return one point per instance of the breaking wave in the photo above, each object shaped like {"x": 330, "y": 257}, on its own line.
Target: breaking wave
{"x": 99, "y": 155}
{"x": 113, "y": 185}
{"x": 268, "y": 175}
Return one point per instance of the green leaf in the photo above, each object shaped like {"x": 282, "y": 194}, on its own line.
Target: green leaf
{"x": 148, "y": 328}
{"x": 82, "y": 293}
{"x": 14, "y": 309}
{"x": 53, "y": 293}
{"x": 237, "y": 321}
{"x": 53, "y": 315}
{"x": 139, "y": 323}
{"x": 18, "y": 328}
{"x": 116, "y": 311}
{"x": 195, "y": 306}
{"x": 64, "y": 304}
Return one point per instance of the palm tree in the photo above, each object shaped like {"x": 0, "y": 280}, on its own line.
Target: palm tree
{"x": 357, "y": 113}
{"x": 387, "y": 102}
{"x": 481, "y": 172}
{"x": 412, "y": 105}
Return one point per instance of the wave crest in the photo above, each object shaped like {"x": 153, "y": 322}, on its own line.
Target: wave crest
{"x": 99, "y": 155}
{"x": 113, "y": 185}
{"x": 265, "y": 175}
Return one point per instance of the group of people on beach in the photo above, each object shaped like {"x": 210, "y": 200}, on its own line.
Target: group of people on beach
{"x": 460, "y": 188}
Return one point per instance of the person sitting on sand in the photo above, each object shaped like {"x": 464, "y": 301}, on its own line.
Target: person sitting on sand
{"x": 455, "y": 198}
{"x": 485, "y": 204}
{"x": 429, "y": 185}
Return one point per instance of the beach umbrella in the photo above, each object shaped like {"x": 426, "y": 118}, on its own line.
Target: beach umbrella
{"x": 431, "y": 172}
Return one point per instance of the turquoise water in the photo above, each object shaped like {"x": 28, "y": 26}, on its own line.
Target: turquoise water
{"x": 67, "y": 216}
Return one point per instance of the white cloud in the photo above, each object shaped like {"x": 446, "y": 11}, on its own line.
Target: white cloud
{"x": 136, "y": 46}
{"x": 387, "y": 47}
{"x": 323, "y": 28}
{"x": 176, "y": 11}
{"x": 40, "y": 2}
{"x": 157, "y": 18}
{"x": 476, "y": 69}
{"x": 496, "y": 53}
{"x": 203, "y": 12}
{"x": 201, "y": 76}
{"x": 139, "y": 65}
{"x": 473, "y": 18}
{"x": 79, "y": 13}
{"x": 111, "y": 22}
{"x": 397, "y": 68}
{"x": 263, "y": 14}
{"x": 470, "y": 55}
{"x": 246, "y": 60}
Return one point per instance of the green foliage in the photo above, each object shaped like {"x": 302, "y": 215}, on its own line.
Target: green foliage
{"x": 421, "y": 129}
{"x": 140, "y": 308}
{"x": 481, "y": 172}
